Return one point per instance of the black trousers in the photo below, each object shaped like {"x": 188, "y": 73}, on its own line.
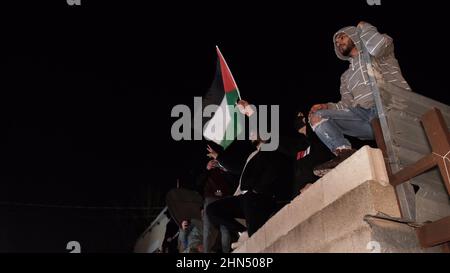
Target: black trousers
{"x": 256, "y": 209}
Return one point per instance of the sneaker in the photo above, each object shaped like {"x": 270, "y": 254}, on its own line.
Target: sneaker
{"x": 243, "y": 236}
{"x": 341, "y": 155}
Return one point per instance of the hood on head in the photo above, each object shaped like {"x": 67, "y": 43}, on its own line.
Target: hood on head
{"x": 352, "y": 32}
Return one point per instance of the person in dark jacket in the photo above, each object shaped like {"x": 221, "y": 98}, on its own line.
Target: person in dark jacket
{"x": 216, "y": 185}
{"x": 305, "y": 151}
{"x": 255, "y": 197}
{"x": 312, "y": 154}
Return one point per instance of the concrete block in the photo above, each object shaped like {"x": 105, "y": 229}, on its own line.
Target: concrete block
{"x": 278, "y": 246}
{"x": 329, "y": 216}
{"x": 360, "y": 167}
{"x": 363, "y": 241}
{"x": 310, "y": 235}
{"x": 384, "y": 200}
{"x": 307, "y": 204}
{"x": 341, "y": 245}
{"x": 279, "y": 224}
{"x": 286, "y": 244}
{"x": 347, "y": 213}
{"x": 377, "y": 166}
{"x": 257, "y": 242}
{"x": 269, "y": 249}
{"x": 242, "y": 248}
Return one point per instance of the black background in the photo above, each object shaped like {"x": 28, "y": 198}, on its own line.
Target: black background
{"x": 87, "y": 91}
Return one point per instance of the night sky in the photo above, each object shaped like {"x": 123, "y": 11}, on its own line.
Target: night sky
{"x": 87, "y": 92}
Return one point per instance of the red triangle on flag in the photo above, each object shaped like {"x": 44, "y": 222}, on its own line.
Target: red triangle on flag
{"x": 228, "y": 80}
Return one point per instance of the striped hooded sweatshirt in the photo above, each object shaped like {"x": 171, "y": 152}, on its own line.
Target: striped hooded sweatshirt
{"x": 355, "y": 84}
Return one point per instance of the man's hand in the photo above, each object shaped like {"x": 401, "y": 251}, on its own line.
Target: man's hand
{"x": 212, "y": 164}
{"x": 314, "y": 119}
{"x": 211, "y": 153}
{"x": 245, "y": 108}
{"x": 244, "y": 103}
{"x": 317, "y": 107}
{"x": 361, "y": 24}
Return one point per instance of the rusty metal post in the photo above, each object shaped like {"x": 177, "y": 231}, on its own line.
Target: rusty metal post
{"x": 438, "y": 136}
{"x": 446, "y": 248}
{"x": 437, "y": 232}
{"x": 381, "y": 144}
{"x": 434, "y": 234}
{"x": 378, "y": 132}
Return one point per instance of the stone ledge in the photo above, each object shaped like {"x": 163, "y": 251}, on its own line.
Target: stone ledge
{"x": 364, "y": 171}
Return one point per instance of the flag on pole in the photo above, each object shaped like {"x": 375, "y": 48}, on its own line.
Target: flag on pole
{"x": 225, "y": 124}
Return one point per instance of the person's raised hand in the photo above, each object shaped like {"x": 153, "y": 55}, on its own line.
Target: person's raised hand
{"x": 245, "y": 108}
{"x": 211, "y": 153}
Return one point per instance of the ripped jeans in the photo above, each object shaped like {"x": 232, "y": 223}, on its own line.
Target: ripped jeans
{"x": 354, "y": 121}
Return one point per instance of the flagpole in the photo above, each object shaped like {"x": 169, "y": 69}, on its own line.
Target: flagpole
{"x": 237, "y": 88}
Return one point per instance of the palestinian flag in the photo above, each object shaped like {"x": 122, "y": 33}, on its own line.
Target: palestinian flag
{"x": 226, "y": 122}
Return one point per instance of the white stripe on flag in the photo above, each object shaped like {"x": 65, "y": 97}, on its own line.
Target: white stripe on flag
{"x": 216, "y": 128}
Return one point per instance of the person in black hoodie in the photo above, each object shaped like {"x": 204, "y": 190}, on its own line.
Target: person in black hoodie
{"x": 311, "y": 154}
{"x": 305, "y": 151}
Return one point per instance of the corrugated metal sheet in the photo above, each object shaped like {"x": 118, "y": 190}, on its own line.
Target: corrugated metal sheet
{"x": 400, "y": 112}
{"x": 407, "y": 142}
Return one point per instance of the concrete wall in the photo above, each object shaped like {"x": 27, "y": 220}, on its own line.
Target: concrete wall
{"x": 330, "y": 215}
